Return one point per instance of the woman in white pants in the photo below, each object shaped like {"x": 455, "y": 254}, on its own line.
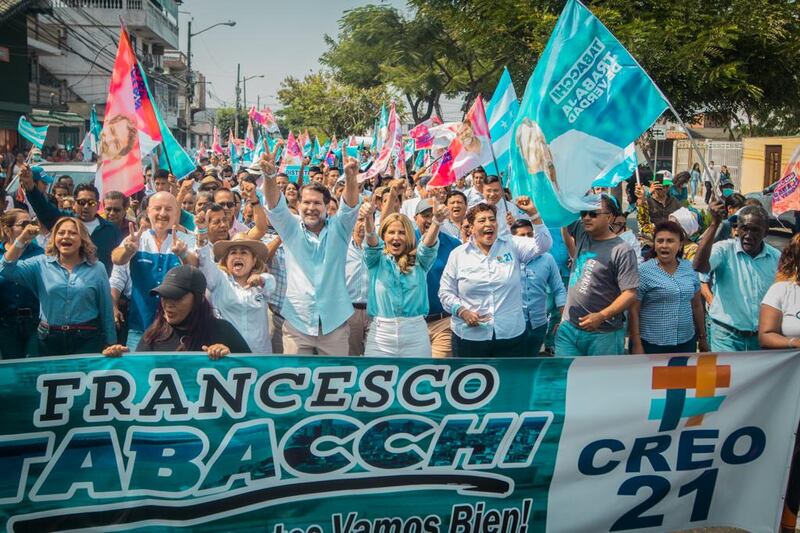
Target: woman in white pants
{"x": 398, "y": 292}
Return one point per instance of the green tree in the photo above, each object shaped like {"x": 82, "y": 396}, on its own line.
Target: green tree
{"x": 328, "y": 107}
{"x": 225, "y": 120}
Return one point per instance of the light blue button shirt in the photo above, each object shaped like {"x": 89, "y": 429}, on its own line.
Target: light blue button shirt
{"x": 740, "y": 283}
{"x": 316, "y": 293}
{"x": 65, "y": 297}
{"x": 356, "y": 273}
{"x": 393, "y": 294}
{"x": 541, "y": 276}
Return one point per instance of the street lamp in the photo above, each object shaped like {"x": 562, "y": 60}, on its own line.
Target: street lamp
{"x": 244, "y": 85}
{"x": 189, "y": 77}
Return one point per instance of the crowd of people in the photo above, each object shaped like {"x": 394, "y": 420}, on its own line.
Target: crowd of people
{"x": 251, "y": 260}
{"x": 329, "y": 263}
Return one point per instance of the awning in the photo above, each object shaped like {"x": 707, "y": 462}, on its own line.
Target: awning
{"x": 40, "y": 117}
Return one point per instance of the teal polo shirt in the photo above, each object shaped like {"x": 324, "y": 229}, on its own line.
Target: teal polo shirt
{"x": 740, "y": 282}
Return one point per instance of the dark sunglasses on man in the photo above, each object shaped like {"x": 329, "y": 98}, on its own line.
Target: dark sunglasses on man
{"x": 84, "y": 202}
{"x": 594, "y": 214}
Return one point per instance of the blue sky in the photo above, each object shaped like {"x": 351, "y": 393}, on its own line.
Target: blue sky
{"x": 273, "y": 38}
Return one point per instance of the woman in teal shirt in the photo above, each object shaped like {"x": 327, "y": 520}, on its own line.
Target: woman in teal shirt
{"x": 398, "y": 291}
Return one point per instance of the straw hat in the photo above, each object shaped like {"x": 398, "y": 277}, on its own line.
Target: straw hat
{"x": 258, "y": 248}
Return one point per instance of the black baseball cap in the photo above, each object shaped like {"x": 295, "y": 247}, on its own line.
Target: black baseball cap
{"x": 180, "y": 281}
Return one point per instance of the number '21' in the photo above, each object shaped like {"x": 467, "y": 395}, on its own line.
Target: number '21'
{"x": 703, "y": 485}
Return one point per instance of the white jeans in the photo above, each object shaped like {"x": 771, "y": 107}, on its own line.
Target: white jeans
{"x": 398, "y": 337}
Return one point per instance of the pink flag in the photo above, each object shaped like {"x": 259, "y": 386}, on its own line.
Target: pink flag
{"x": 353, "y": 141}
{"x": 257, "y": 117}
{"x": 120, "y": 159}
{"x": 786, "y": 196}
{"x": 392, "y": 141}
{"x": 471, "y": 146}
{"x": 269, "y": 120}
{"x": 249, "y": 139}
{"x": 421, "y": 134}
{"x": 293, "y": 154}
{"x": 201, "y": 150}
{"x": 216, "y": 147}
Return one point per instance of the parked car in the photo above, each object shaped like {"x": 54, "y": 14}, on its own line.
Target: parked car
{"x": 789, "y": 220}
{"x": 80, "y": 171}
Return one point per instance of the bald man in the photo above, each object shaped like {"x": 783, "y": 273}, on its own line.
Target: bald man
{"x": 145, "y": 257}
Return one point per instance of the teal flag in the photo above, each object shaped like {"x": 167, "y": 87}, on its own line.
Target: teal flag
{"x": 35, "y": 134}
{"x": 587, "y": 100}
{"x": 179, "y": 163}
{"x": 288, "y": 444}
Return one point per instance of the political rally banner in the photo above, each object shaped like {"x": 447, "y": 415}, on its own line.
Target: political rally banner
{"x": 291, "y": 444}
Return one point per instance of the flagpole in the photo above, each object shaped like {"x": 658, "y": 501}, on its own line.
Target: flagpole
{"x": 497, "y": 167}
{"x": 697, "y": 150}
{"x": 166, "y": 156}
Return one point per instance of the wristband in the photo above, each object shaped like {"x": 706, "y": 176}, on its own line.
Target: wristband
{"x": 202, "y": 231}
{"x": 434, "y": 221}
{"x": 19, "y": 244}
{"x": 270, "y": 176}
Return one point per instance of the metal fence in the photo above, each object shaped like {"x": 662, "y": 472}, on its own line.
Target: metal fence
{"x": 720, "y": 152}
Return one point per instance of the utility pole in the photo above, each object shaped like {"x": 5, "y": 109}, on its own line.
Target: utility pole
{"x": 258, "y": 102}
{"x": 238, "y": 92}
{"x": 189, "y": 96}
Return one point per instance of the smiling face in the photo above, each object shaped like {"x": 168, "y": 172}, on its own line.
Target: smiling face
{"x": 67, "y": 239}
{"x": 484, "y": 228}
{"x": 162, "y": 211}
{"x": 240, "y": 261}
{"x": 457, "y": 206}
{"x": 312, "y": 209}
{"x": 282, "y": 182}
{"x": 395, "y": 238}
{"x": 176, "y": 311}
{"x": 424, "y": 220}
{"x": 86, "y": 206}
{"x": 291, "y": 192}
{"x": 492, "y": 192}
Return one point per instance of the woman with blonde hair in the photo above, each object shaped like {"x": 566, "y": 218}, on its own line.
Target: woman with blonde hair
{"x": 77, "y": 315}
{"x": 240, "y": 287}
{"x": 398, "y": 290}
{"x": 19, "y": 307}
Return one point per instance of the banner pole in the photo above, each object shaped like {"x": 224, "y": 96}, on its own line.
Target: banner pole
{"x": 697, "y": 151}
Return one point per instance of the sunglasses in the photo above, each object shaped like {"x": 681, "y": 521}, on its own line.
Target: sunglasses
{"x": 114, "y": 209}
{"x": 227, "y": 205}
{"x": 83, "y": 203}
{"x": 594, "y": 214}
{"x": 24, "y": 224}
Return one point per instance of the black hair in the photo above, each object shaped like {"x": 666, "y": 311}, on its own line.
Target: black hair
{"x": 162, "y": 173}
{"x": 198, "y": 323}
{"x": 491, "y": 178}
{"x": 116, "y": 195}
{"x": 520, "y": 223}
{"x": 315, "y": 169}
{"x": 456, "y": 193}
{"x": 672, "y": 227}
{"x": 87, "y": 187}
{"x": 224, "y": 190}
{"x": 250, "y": 179}
{"x": 611, "y": 204}
{"x": 62, "y": 177}
{"x": 473, "y": 211}
{"x": 317, "y": 187}
{"x": 284, "y": 174}
{"x": 735, "y": 201}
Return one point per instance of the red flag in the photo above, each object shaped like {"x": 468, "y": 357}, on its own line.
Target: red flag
{"x": 471, "y": 146}
{"x": 127, "y": 113}
{"x": 786, "y": 196}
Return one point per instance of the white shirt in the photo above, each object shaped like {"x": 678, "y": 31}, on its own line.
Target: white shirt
{"x": 408, "y": 207}
{"x": 473, "y": 196}
{"x": 246, "y": 308}
{"x": 238, "y": 227}
{"x": 91, "y": 226}
{"x": 489, "y": 284}
{"x": 356, "y": 274}
{"x": 450, "y": 227}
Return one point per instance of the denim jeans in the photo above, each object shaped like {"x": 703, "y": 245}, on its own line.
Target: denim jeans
{"x": 572, "y": 341}
{"x": 73, "y": 342}
{"x": 689, "y": 346}
{"x": 724, "y": 340}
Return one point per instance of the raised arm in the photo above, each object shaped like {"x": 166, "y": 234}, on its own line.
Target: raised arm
{"x": 368, "y": 212}
{"x": 122, "y": 254}
{"x": 440, "y": 214}
{"x": 351, "y": 188}
{"x": 272, "y": 193}
{"x": 703, "y": 254}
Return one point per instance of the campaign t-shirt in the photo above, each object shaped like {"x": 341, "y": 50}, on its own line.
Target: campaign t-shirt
{"x": 785, "y": 296}
{"x": 600, "y": 272}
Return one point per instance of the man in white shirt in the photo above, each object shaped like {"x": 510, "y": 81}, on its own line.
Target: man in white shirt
{"x": 475, "y": 193}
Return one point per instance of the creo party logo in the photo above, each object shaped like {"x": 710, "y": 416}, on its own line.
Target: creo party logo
{"x": 678, "y": 378}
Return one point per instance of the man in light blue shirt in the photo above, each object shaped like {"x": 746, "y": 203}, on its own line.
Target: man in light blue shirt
{"x": 743, "y": 269}
{"x": 317, "y": 304}
{"x": 540, "y": 278}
